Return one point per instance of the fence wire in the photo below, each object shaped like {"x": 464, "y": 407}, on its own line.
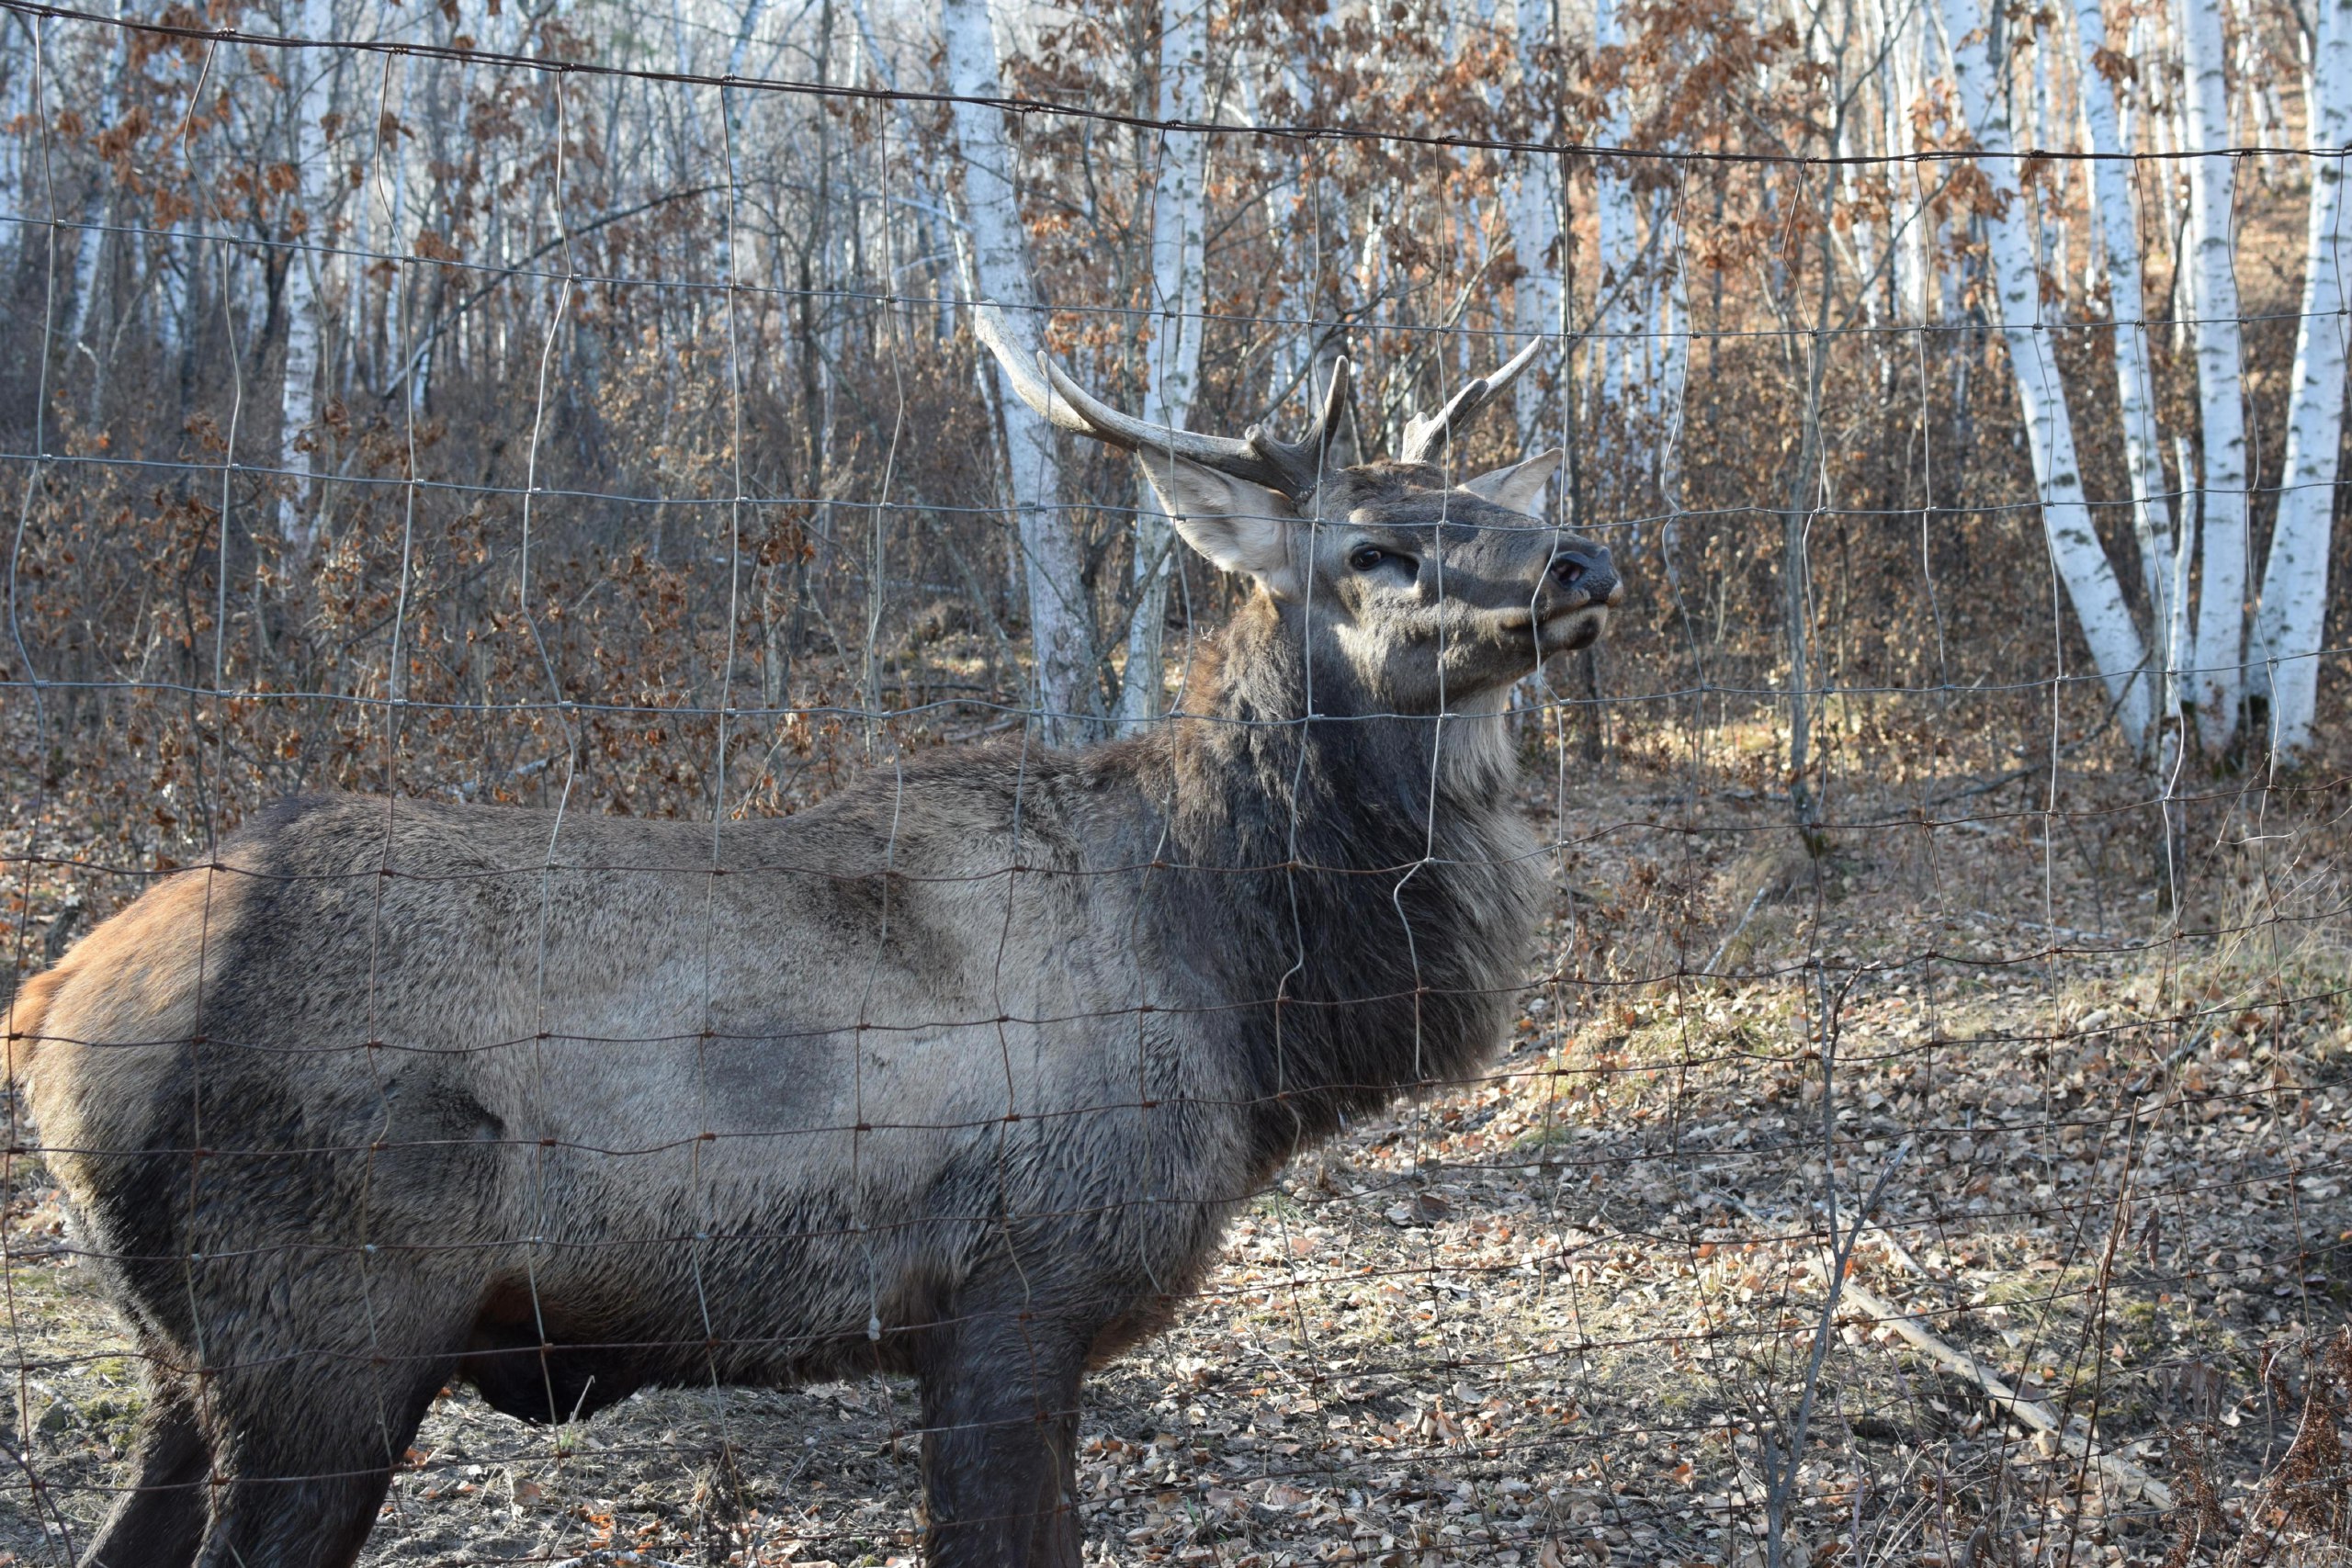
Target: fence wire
{"x": 697, "y": 878}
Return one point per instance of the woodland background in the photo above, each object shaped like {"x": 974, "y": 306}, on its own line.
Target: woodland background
{"x": 306, "y": 341}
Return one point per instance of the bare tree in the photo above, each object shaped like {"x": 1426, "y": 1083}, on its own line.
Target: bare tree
{"x": 2217, "y": 682}
{"x": 1061, "y": 617}
{"x": 2290, "y": 623}
{"x": 2092, "y": 586}
{"x": 305, "y": 228}
{"x": 1178, "y": 298}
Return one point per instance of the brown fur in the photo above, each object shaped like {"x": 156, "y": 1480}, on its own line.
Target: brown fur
{"x": 136, "y": 971}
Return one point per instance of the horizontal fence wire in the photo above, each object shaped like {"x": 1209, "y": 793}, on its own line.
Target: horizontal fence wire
{"x": 473, "y": 55}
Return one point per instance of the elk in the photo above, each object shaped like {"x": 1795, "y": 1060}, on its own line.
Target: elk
{"x": 956, "y": 1076}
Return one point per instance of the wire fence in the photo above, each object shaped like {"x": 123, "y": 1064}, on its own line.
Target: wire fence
{"x": 682, "y": 870}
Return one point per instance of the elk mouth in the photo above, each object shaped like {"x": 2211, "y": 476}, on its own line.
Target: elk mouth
{"x": 1565, "y": 631}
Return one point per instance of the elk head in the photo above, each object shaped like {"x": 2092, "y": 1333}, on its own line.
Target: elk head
{"x": 1410, "y": 591}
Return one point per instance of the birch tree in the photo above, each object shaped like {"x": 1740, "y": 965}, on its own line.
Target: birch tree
{"x": 2294, "y": 603}
{"x": 305, "y": 230}
{"x": 2118, "y": 232}
{"x": 97, "y": 203}
{"x": 1059, "y": 615}
{"x": 2091, "y": 584}
{"x": 2217, "y": 683}
{"x": 1614, "y": 224}
{"x": 1536, "y": 213}
{"x": 1179, "y": 295}
{"x": 16, "y": 105}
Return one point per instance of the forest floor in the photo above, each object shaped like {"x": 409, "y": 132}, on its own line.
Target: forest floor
{"x": 1569, "y": 1313}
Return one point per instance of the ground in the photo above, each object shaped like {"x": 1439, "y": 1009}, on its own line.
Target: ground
{"x": 2085, "y": 1146}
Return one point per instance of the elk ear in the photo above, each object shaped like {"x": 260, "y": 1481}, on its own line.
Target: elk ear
{"x": 1239, "y": 526}
{"x": 1518, "y": 487}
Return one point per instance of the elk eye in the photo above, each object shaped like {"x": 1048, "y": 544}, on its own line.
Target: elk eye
{"x": 1370, "y": 558}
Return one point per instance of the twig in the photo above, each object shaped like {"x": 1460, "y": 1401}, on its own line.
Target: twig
{"x": 1780, "y": 1487}
{"x": 1754, "y": 904}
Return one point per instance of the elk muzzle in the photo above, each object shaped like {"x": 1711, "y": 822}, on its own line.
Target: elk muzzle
{"x": 1572, "y": 603}
{"x": 1583, "y": 575}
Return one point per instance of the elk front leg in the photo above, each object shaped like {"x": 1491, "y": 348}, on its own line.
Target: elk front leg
{"x": 999, "y": 1444}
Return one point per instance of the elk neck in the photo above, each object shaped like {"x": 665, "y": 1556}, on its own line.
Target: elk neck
{"x": 1375, "y": 885}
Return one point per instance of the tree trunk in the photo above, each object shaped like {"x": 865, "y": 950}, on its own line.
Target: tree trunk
{"x": 1535, "y": 215}
{"x": 15, "y": 102}
{"x": 1618, "y": 242}
{"x": 2135, "y": 382}
{"x": 1179, "y": 295}
{"x": 306, "y": 230}
{"x": 2293, "y": 606}
{"x": 1060, "y": 614}
{"x": 2091, "y": 583}
{"x": 2216, "y": 686}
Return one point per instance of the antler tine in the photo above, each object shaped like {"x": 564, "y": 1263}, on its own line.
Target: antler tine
{"x": 1020, "y": 364}
{"x": 1304, "y": 462}
{"x": 1062, "y": 402}
{"x": 1426, "y": 435}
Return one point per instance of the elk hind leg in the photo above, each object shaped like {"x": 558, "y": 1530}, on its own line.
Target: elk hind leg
{"x": 158, "y": 1520}
{"x": 305, "y": 1466}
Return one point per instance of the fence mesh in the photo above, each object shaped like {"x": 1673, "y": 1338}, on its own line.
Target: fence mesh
{"x": 1918, "y": 1130}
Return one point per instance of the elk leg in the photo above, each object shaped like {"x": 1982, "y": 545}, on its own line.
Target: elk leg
{"x": 1000, "y": 1399}
{"x": 306, "y": 1459}
{"x": 159, "y": 1519}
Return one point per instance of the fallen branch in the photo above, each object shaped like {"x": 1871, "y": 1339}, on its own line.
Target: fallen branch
{"x": 2026, "y": 1411}
{"x": 2009, "y": 1401}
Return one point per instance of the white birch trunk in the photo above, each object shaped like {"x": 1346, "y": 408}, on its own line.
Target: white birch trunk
{"x": 1292, "y": 196}
{"x": 1616, "y": 230}
{"x": 2091, "y": 584}
{"x": 1535, "y": 218}
{"x": 16, "y": 101}
{"x": 299, "y": 400}
{"x": 1179, "y": 296}
{"x": 2216, "y": 686}
{"x": 1915, "y": 257}
{"x": 1059, "y": 610}
{"x": 1675, "y": 386}
{"x": 2179, "y": 638}
{"x": 97, "y": 203}
{"x": 2135, "y": 382}
{"x": 2293, "y": 605}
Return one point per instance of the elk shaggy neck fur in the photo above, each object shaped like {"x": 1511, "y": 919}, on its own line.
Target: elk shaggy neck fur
{"x": 1381, "y": 888}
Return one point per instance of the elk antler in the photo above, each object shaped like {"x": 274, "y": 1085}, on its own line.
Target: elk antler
{"x": 1426, "y": 434}
{"x": 1294, "y": 467}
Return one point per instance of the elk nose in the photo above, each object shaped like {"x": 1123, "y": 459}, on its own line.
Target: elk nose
{"x": 1586, "y": 568}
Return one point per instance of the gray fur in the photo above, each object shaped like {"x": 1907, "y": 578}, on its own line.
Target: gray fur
{"x": 958, "y": 1075}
